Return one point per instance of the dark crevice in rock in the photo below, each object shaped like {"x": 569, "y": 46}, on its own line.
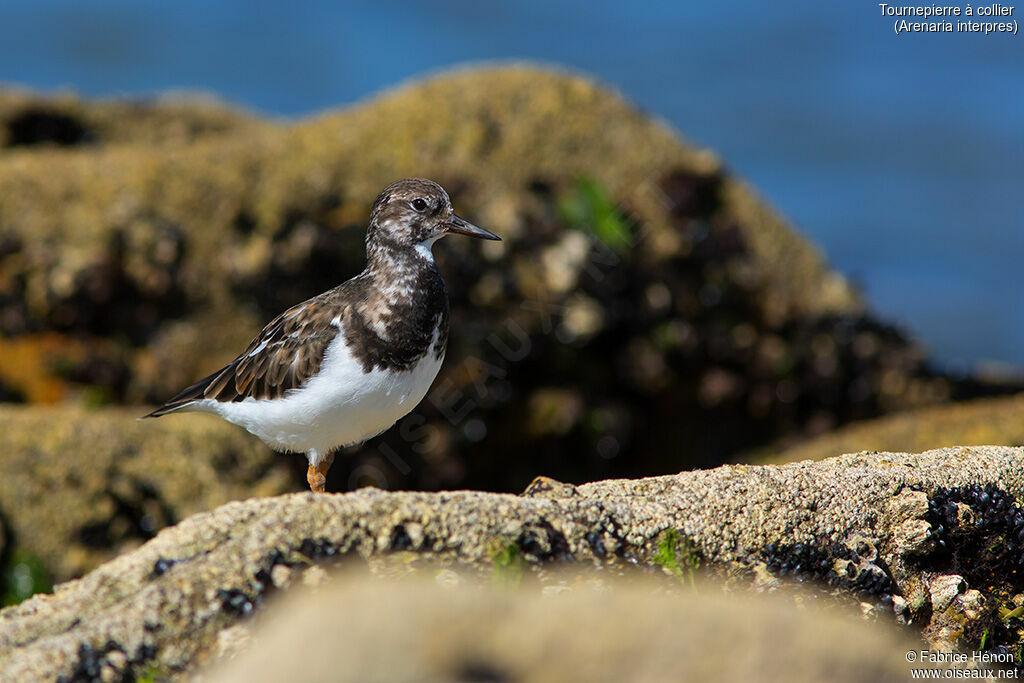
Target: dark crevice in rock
{"x": 542, "y": 542}
{"x": 596, "y": 544}
{"x": 400, "y": 539}
{"x": 131, "y": 289}
{"x": 108, "y": 298}
{"x": 41, "y": 126}
{"x": 138, "y": 512}
{"x": 316, "y": 549}
{"x": 692, "y": 195}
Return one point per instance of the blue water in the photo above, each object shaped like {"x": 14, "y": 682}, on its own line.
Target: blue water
{"x": 902, "y": 156}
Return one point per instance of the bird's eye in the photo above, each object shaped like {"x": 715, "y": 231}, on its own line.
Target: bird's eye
{"x": 419, "y": 204}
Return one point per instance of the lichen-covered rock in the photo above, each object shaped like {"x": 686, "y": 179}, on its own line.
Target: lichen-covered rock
{"x": 79, "y": 486}
{"x": 645, "y": 313}
{"x": 361, "y": 629}
{"x": 822, "y": 523}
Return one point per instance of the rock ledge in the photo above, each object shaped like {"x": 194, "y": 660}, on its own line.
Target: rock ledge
{"x": 842, "y": 521}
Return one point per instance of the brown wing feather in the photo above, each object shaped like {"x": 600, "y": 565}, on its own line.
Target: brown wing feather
{"x": 283, "y": 356}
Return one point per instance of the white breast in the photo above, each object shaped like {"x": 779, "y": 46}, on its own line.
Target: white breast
{"x": 341, "y": 405}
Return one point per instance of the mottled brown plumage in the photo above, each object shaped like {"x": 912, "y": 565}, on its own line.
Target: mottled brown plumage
{"x": 290, "y": 349}
{"x": 390, "y": 317}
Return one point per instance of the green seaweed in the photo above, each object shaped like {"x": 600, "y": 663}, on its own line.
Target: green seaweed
{"x": 152, "y": 673}
{"x": 589, "y": 206}
{"x": 507, "y": 564}
{"x": 1005, "y": 614}
{"x": 678, "y": 555}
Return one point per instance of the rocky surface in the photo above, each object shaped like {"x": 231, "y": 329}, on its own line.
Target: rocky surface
{"x": 33, "y": 122}
{"x": 359, "y": 629}
{"x": 646, "y": 312}
{"x": 79, "y": 486}
{"x": 933, "y": 540}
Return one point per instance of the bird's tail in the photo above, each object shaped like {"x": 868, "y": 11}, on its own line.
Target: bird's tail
{"x": 186, "y": 397}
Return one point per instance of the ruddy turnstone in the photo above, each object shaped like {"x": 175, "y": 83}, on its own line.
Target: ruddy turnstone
{"x": 346, "y": 365}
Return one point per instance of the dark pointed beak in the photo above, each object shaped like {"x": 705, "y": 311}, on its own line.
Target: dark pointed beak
{"x": 456, "y": 223}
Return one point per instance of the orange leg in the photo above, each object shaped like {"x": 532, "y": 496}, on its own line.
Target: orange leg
{"x": 317, "y": 475}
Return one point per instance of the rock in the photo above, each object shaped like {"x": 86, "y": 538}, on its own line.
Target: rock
{"x": 628, "y": 631}
{"x": 908, "y": 505}
{"x": 79, "y": 486}
{"x": 743, "y": 523}
{"x": 232, "y": 641}
{"x": 917, "y": 596}
{"x": 546, "y": 487}
{"x": 314, "y": 576}
{"x": 913, "y": 537}
{"x": 965, "y": 516}
{"x": 900, "y": 608}
{"x": 29, "y": 120}
{"x": 960, "y": 619}
{"x": 970, "y": 423}
{"x": 972, "y": 603}
{"x": 646, "y": 313}
{"x": 281, "y": 575}
{"x": 944, "y": 588}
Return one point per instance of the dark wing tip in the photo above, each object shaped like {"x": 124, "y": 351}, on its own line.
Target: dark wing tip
{"x": 194, "y": 392}
{"x": 162, "y": 410}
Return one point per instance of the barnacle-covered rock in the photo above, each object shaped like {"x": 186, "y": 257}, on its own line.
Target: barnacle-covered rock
{"x": 913, "y": 537}
{"x": 821, "y": 524}
{"x": 79, "y": 486}
{"x": 908, "y": 505}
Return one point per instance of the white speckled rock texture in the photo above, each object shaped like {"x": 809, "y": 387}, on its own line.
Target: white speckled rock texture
{"x": 165, "y": 603}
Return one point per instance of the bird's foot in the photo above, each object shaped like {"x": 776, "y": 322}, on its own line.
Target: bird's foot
{"x": 316, "y": 475}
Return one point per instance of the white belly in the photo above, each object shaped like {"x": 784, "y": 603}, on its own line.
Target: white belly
{"x": 340, "y": 406}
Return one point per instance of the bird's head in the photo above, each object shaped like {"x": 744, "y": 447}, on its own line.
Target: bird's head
{"x": 416, "y": 212}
